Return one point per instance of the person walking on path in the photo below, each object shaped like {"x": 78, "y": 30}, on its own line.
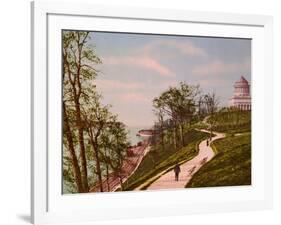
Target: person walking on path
{"x": 207, "y": 142}
{"x": 177, "y": 171}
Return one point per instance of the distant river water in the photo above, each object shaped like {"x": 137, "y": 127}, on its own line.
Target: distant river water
{"x": 134, "y": 139}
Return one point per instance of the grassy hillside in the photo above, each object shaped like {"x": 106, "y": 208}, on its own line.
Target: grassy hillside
{"x": 158, "y": 160}
{"x": 231, "y": 166}
{"x": 231, "y": 121}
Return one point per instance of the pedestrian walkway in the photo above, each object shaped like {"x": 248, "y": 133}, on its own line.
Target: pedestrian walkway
{"x": 167, "y": 180}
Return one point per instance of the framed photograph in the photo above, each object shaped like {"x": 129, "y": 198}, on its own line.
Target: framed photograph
{"x": 143, "y": 112}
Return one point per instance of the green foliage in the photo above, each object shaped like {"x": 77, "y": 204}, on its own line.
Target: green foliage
{"x": 68, "y": 177}
{"x": 177, "y": 103}
{"x": 199, "y": 125}
{"x": 93, "y": 139}
{"x": 231, "y": 121}
{"x": 117, "y": 145}
{"x": 175, "y": 109}
{"x": 231, "y": 165}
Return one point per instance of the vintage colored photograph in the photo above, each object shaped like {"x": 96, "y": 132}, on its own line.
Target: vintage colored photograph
{"x": 154, "y": 112}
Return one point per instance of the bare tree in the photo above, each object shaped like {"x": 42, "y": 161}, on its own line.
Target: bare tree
{"x": 211, "y": 102}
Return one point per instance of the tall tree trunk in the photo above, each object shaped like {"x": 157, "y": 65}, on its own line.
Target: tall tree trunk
{"x": 170, "y": 136}
{"x": 82, "y": 146}
{"x": 175, "y": 138}
{"x": 161, "y": 121}
{"x": 107, "y": 169}
{"x": 162, "y": 139}
{"x": 121, "y": 181}
{"x": 74, "y": 160}
{"x": 77, "y": 93}
{"x": 175, "y": 135}
{"x": 96, "y": 156}
{"x": 107, "y": 177}
{"x": 182, "y": 134}
{"x": 98, "y": 167}
{"x": 211, "y": 131}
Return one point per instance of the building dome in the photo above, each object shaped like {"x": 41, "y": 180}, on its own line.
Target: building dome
{"x": 242, "y": 82}
{"x": 241, "y": 97}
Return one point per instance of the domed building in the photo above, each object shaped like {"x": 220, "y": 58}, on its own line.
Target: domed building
{"x": 241, "y": 98}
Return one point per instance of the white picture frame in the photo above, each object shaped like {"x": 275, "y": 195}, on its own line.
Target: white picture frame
{"x": 49, "y": 206}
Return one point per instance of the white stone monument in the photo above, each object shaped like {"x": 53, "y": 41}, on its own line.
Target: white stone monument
{"x": 242, "y": 97}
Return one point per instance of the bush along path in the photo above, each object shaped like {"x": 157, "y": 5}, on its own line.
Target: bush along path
{"x": 166, "y": 180}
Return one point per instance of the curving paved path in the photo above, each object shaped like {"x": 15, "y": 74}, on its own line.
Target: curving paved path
{"x": 167, "y": 180}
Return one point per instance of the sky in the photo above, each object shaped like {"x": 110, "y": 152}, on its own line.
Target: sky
{"x": 136, "y": 68}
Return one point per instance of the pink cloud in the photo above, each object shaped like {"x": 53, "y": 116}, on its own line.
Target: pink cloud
{"x": 186, "y": 47}
{"x": 141, "y": 61}
{"x": 213, "y": 82}
{"x": 134, "y": 97}
{"x": 218, "y": 67}
{"x": 115, "y": 84}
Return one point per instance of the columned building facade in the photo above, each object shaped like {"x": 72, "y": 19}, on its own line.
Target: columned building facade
{"x": 241, "y": 98}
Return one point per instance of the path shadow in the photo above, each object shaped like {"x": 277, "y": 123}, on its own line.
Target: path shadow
{"x": 25, "y": 218}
